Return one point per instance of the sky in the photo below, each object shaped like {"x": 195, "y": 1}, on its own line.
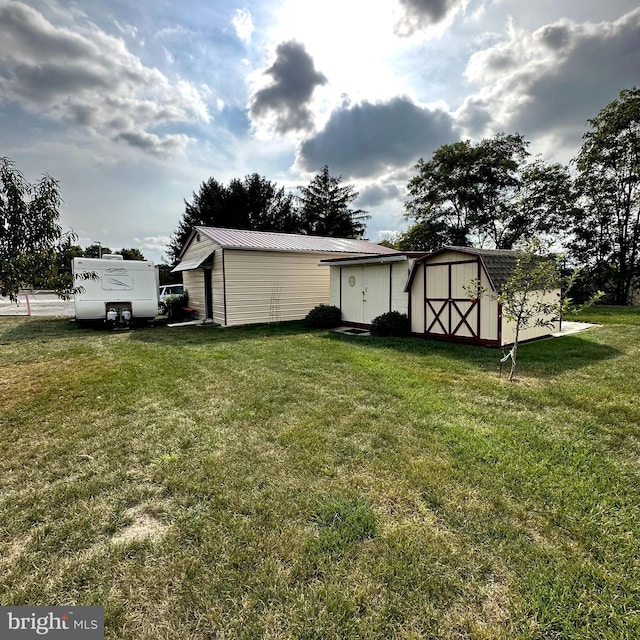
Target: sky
{"x": 132, "y": 105}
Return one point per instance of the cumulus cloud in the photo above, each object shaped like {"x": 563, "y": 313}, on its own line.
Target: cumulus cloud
{"x": 285, "y": 102}
{"x": 421, "y": 15}
{"x": 368, "y": 138}
{"x": 547, "y": 83}
{"x": 86, "y": 77}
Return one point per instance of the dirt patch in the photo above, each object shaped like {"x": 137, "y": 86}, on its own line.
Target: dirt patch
{"x": 144, "y": 527}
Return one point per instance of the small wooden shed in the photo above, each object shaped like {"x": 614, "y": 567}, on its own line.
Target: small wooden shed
{"x": 440, "y": 307}
{"x": 237, "y": 277}
{"x": 364, "y": 288}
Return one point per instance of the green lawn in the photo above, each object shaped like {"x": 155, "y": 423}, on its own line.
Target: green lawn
{"x": 270, "y": 482}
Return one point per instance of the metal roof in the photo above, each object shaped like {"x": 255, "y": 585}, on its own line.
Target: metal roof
{"x": 193, "y": 263}
{"x": 400, "y": 256}
{"x": 269, "y": 241}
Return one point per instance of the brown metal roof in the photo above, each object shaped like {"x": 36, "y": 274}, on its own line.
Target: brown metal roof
{"x": 269, "y": 241}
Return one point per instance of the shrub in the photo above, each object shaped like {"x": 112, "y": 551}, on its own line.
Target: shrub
{"x": 175, "y": 305}
{"x": 392, "y": 323}
{"x": 324, "y": 316}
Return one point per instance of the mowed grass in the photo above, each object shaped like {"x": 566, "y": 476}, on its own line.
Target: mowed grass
{"x": 270, "y": 482}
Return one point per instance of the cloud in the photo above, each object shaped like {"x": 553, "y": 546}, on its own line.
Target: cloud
{"x": 286, "y": 100}
{"x": 243, "y": 24}
{"x": 422, "y": 15}
{"x": 86, "y": 77}
{"x": 548, "y": 82}
{"x": 368, "y": 138}
{"x": 375, "y": 194}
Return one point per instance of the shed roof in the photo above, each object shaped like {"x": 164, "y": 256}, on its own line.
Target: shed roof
{"x": 400, "y": 256}
{"x": 498, "y": 263}
{"x": 270, "y": 241}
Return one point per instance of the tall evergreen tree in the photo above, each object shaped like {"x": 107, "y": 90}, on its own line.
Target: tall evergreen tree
{"x": 325, "y": 208}
{"x": 253, "y": 203}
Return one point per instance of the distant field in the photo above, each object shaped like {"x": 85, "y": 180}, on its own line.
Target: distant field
{"x": 269, "y": 482}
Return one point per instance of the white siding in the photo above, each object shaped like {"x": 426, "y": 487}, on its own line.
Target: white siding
{"x": 399, "y": 297}
{"x": 531, "y": 332}
{"x": 334, "y": 286}
{"x": 369, "y": 290}
{"x": 199, "y": 250}
{"x": 218, "y": 292}
{"x": 194, "y": 283}
{"x": 271, "y": 286}
{"x": 417, "y": 306}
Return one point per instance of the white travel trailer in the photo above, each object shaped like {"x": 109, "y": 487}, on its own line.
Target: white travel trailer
{"x": 123, "y": 291}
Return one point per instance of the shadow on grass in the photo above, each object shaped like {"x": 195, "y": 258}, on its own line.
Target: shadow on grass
{"x": 203, "y": 334}
{"x": 547, "y": 357}
{"x": 17, "y": 329}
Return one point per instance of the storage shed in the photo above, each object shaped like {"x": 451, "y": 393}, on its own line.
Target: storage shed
{"x": 242, "y": 277}
{"x": 365, "y": 287}
{"x": 439, "y": 306}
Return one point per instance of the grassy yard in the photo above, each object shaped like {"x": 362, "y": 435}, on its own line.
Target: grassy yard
{"x": 270, "y": 482}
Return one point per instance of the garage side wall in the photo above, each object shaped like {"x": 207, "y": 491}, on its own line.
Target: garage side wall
{"x": 272, "y": 286}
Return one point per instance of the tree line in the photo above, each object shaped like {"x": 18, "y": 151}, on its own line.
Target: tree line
{"x": 322, "y": 208}
{"x": 486, "y": 194}
{"x": 490, "y": 194}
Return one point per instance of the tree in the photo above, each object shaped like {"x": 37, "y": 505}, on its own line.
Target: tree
{"x": 426, "y": 236}
{"x": 29, "y": 233}
{"x": 607, "y": 234}
{"x": 252, "y": 203}
{"x": 131, "y": 254}
{"x": 525, "y": 296}
{"x": 96, "y": 250}
{"x": 325, "y": 208}
{"x": 66, "y": 252}
{"x": 486, "y": 194}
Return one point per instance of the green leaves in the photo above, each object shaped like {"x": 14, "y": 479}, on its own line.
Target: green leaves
{"x": 29, "y": 231}
{"x": 609, "y": 166}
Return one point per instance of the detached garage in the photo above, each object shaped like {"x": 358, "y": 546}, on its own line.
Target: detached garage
{"x": 439, "y": 306}
{"x": 242, "y": 277}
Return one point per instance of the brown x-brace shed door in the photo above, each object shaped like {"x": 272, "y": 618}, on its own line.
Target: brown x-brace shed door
{"x": 449, "y": 311}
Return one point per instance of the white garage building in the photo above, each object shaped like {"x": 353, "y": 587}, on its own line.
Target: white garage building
{"x": 242, "y": 277}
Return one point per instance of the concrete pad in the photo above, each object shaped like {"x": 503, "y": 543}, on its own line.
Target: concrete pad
{"x": 569, "y": 328}
{"x": 352, "y": 331}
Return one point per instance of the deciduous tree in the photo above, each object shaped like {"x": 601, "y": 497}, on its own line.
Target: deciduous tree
{"x": 30, "y": 235}
{"x": 486, "y": 194}
{"x": 607, "y": 234}
{"x": 131, "y": 254}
